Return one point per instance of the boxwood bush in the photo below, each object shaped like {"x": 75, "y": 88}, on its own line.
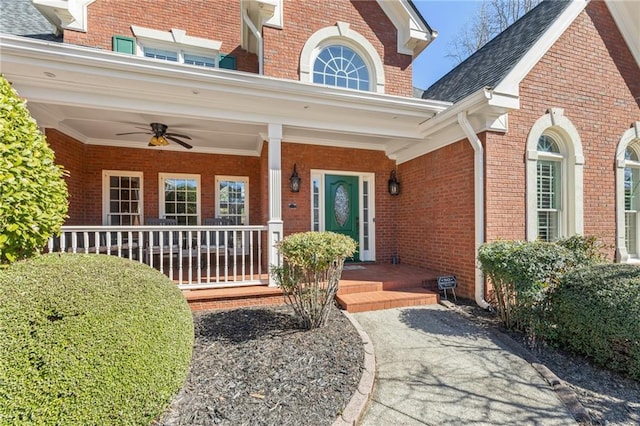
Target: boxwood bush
{"x": 595, "y": 311}
{"x": 311, "y": 271}
{"x": 523, "y": 273}
{"x": 89, "y": 340}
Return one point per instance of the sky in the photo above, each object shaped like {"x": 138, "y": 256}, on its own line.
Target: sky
{"x": 446, "y": 17}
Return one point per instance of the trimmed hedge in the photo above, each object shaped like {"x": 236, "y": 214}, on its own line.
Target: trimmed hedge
{"x": 596, "y": 312}
{"x": 312, "y": 267}
{"x": 523, "y": 273}
{"x": 90, "y": 339}
{"x": 33, "y": 195}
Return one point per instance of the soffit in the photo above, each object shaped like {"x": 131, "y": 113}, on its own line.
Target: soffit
{"x": 95, "y": 94}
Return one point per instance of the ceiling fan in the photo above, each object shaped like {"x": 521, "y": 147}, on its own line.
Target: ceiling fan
{"x": 160, "y": 136}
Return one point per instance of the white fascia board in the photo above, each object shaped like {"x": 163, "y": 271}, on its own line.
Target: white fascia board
{"x": 413, "y": 35}
{"x": 627, "y": 17}
{"x": 88, "y": 62}
{"x": 511, "y": 83}
{"x": 486, "y": 110}
{"x": 65, "y": 14}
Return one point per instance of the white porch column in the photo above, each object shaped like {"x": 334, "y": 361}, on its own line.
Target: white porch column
{"x": 275, "y": 197}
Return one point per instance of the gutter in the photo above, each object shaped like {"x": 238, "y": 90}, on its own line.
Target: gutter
{"x": 258, "y": 36}
{"x": 478, "y": 160}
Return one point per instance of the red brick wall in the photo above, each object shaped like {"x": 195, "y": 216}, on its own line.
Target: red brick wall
{"x": 282, "y": 48}
{"x": 87, "y": 198}
{"x": 220, "y": 20}
{"x": 88, "y": 162}
{"x": 215, "y": 20}
{"x": 592, "y": 75}
{"x": 309, "y": 157}
{"x": 435, "y": 213}
{"x": 70, "y": 154}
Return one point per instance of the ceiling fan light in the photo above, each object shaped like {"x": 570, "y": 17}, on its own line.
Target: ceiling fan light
{"x": 162, "y": 141}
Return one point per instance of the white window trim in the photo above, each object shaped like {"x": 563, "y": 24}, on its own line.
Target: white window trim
{"x": 629, "y": 137}
{"x": 566, "y": 135}
{"x": 106, "y": 197}
{"x": 341, "y": 34}
{"x": 175, "y": 40}
{"x": 243, "y": 179}
{"x": 161, "y": 179}
{"x": 365, "y": 255}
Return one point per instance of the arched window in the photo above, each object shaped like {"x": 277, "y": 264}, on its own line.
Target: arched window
{"x": 338, "y": 65}
{"x": 339, "y": 56}
{"x": 554, "y": 178}
{"x": 628, "y": 195}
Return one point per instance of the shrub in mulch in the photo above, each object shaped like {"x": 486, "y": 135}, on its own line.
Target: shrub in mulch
{"x": 88, "y": 340}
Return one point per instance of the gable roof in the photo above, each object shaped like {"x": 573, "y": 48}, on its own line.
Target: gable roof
{"x": 491, "y": 63}
{"x": 20, "y": 17}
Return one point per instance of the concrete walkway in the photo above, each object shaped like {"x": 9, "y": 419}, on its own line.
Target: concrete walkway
{"x": 434, "y": 367}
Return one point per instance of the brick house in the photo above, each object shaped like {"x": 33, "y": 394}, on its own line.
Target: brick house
{"x": 534, "y": 136}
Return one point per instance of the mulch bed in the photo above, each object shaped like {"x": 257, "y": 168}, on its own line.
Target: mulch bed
{"x": 255, "y": 366}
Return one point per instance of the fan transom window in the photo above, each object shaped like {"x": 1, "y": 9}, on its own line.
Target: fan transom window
{"x": 342, "y": 67}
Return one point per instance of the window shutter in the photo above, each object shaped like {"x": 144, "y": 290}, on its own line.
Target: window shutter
{"x": 227, "y": 62}
{"x": 124, "y": 44}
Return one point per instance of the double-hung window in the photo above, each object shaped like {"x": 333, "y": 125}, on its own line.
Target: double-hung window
{"x": 631, "y": 200}
{"x": 180, "y": 198}
{"x": 549, "y": 189}
{"x": 122, "y": 198}
{"x": 232, "y": 199}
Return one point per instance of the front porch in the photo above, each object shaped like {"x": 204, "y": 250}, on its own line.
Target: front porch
{"x": 363, "y": 287}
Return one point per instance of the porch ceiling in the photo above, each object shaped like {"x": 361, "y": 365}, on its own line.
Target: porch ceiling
{"x": 91, "y": 95}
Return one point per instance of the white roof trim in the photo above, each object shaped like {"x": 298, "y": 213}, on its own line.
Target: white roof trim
{"x": 413, "y": 34}
{"x": 627, "y": 17}
{"x": 511, "y": 83}
{"x": 65, "y": 14}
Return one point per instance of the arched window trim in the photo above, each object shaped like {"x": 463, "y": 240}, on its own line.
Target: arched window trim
{"x": 564, "y": 133}
{"x": 342, "y": 34}
{"x": 629, "y": 139}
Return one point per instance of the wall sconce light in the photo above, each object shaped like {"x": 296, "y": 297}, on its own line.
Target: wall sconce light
{"x": 294, "y": 180}
{"x": 394, "y": 185}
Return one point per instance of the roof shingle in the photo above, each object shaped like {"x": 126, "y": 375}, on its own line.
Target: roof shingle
{"x": 492, "y": 62}
{"x": 20, "y": 17}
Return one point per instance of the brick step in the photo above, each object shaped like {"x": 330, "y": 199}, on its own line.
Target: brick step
{"x": 387, "y": 299}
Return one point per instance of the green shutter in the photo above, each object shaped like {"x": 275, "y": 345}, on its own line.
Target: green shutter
{"x": 227, "y": 62}
{"x": 124, "y": 44}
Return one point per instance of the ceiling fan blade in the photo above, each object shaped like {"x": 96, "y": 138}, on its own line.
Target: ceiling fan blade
{"x": 178, "y": 135}
{"x": 178, "y": 141}
{"x": 134, "y": 133}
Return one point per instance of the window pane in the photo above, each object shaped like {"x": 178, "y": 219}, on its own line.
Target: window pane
{"x": 201, "y": 61}
{"x": 341, "y": 66}
{"x": 181, "y": 200}
{"x": 165, "y": 55}
{"x": 124, "y": 208}
{"x": 547, "y": 144}
{"x": 548, "y": 226}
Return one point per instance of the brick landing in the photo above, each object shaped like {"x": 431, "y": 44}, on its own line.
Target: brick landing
{"x": 363, "y": 287}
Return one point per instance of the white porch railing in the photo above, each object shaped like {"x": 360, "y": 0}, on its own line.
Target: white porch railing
{"x": 194, "y": 257}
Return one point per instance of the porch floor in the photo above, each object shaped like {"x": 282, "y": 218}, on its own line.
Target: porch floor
{"x": 363, "y": 287}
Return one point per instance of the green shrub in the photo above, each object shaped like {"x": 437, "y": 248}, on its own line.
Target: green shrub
{"x": 596, "y": 312}
{"x": 33, "y": 199}
{"x": 89, "y": 340}
{"x": 311, "y": 271}
{"x": 523, "y": 273}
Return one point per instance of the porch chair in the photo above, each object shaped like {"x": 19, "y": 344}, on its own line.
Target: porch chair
{"x": 163, "y": 241}
{"x": 212, "y": 243}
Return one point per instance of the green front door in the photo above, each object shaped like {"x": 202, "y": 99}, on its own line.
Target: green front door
{"x": 341, "y": 206}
